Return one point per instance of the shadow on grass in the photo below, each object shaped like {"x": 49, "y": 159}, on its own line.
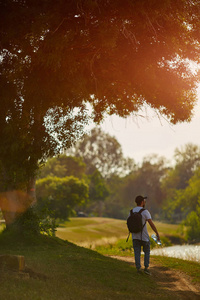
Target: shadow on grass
{"x": 174, "y": 283}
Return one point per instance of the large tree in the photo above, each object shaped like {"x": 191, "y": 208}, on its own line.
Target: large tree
{"x": 99, "y": 150}
{"x": 57, "y": 55}
{"x": 146, "y": 181}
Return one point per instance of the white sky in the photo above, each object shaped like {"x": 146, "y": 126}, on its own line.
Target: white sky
{"x": 140, "y": 136}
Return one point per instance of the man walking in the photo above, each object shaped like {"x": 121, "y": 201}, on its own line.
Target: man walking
{"x": 141, "y": 239}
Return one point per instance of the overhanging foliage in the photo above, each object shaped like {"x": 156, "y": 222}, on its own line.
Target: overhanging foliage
{"x": 117, "y": 55}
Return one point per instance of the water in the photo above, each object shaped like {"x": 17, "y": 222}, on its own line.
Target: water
{"x": 186, "y": 252}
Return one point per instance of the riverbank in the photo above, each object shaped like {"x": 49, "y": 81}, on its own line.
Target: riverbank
{"x": 108, "y": 236}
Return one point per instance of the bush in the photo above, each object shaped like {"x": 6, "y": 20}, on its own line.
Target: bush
{"x": 193, "y": 226}
{"x": 35, "y": 220}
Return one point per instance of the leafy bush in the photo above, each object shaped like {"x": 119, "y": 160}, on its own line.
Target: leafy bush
{"x": 35, "y": 220}
{"x": 193, "y": 225}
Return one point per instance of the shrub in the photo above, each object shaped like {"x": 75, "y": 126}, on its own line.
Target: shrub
{"x": 35, "y": 220}
{"x": 193, "y": 226}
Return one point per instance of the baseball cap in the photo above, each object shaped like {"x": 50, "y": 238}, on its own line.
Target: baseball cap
{"x": 139, "y": 199}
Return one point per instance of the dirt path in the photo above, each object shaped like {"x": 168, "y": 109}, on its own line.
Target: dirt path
{"x": 175, "y": 282}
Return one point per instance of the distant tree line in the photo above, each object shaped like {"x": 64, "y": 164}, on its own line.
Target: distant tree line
{"x": 95, "y": 177}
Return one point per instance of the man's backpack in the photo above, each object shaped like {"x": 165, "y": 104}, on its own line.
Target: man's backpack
{"x": 134, "y": 222}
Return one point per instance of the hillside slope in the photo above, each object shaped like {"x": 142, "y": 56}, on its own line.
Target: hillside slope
{"x": 61, "y": 270}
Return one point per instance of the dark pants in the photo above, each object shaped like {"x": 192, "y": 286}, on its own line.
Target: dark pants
{"x": 137, "y": 244}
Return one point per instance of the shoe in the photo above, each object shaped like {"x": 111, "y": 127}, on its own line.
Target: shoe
{"x": 146, "y": 271}
{"x": 139, "y": 271}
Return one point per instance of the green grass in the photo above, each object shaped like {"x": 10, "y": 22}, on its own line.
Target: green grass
{"x": 2, "y": 226}
{"x": 114, "y": 242}
{"x": 93, "y": 232}
{"x": 192, "y": 269}
{"x": 89, "y": 232}
{"x": 121, "y": 248}
{"x": 66, "y": 271}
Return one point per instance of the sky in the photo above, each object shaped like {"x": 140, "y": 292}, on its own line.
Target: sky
{"x": 142, "y": 136}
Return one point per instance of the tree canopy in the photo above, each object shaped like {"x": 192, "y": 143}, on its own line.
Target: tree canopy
{"x": 99, "y": 150}
{"x": 146, "y": 179}
{"x": 62, "y": 194}
{"x": 117, "y": 55}
{"x": 62, "y": 166}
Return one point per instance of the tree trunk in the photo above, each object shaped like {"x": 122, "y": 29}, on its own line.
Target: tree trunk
{"x": 31, "y": 189}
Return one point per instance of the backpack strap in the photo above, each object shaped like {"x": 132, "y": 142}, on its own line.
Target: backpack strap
{"x": 128, "y": 236}
{"x": 141, "y": 210}
{"x": 131, "y": 212}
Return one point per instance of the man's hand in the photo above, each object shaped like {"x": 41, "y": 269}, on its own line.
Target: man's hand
{"x": 154, "y": 228}
{"x": 158, "y": 237}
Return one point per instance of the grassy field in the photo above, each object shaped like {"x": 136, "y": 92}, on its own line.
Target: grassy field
{"x": 93, "y": 232}
{"x": 90, "y": 232}
{"x": 61, "y": 270}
